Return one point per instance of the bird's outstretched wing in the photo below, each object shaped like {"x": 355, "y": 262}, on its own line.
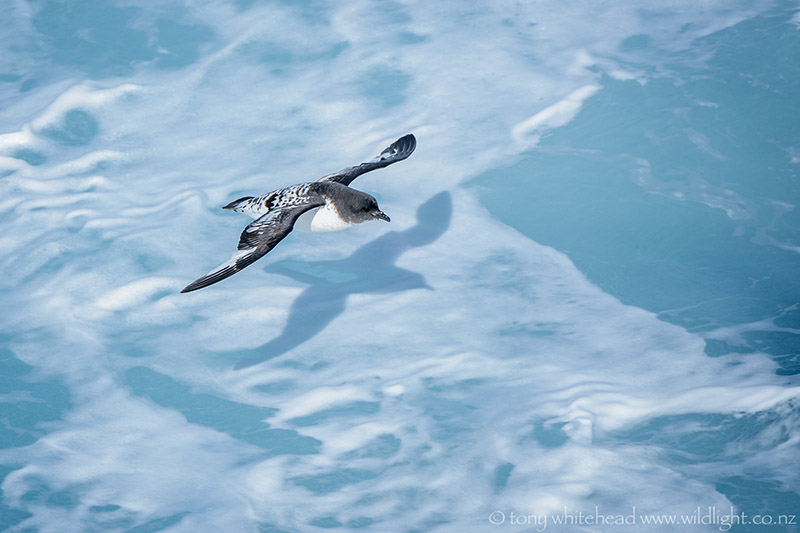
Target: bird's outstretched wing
{"x": 258, "y": 238}
{"x": 397, "y": 151}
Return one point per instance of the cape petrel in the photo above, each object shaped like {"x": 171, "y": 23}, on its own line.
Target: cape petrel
{"x": 328, "y": 204}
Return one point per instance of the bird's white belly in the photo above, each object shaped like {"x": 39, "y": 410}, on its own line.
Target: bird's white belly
{"x": 321, "y": 219}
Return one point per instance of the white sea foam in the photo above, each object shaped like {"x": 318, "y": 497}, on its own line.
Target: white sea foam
{"x": 81, "y": 97}
{"x": 418, "y": 394}
{"x": 553, "y": 116}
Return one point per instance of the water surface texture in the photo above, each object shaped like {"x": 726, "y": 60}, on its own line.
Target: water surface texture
{"x": 584, "y": 315}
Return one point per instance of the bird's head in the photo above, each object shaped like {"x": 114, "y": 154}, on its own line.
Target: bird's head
{"x": 363, "y": 207}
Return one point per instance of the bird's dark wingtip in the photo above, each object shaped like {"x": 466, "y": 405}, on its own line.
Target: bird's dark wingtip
{"x": 193, "y": 286}
{"x": 408, "y": 138}
{"x": 210, "y": 279}
{"x": 404, "y": 146}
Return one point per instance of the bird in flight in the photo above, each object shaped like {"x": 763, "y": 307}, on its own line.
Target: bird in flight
{"x": 328, "y": 204}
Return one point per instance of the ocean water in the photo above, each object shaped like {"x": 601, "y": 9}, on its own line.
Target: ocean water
{"x": 584, "y": 315}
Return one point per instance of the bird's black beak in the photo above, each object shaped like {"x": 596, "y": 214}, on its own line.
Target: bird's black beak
{"x": 381, "y": 215}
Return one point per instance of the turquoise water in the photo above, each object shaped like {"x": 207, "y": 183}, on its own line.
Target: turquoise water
{"x": 582, "y": 317}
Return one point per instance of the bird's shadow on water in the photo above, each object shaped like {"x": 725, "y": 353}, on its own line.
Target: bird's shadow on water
{"x": 370, "y": 269}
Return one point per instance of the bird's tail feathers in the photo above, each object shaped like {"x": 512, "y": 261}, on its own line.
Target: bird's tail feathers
{"x": 238, "y": 204}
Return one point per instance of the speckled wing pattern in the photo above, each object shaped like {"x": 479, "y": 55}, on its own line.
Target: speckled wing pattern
{"x": 397, "y": 151}
{"x": 256, "y": 206}
{"x": 261, "y": 235}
